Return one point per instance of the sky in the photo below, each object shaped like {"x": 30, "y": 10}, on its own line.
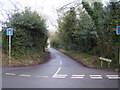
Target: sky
{"x": 46, "y": 8}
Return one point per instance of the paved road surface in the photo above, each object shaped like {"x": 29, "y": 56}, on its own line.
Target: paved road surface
{"x": 59, "y": 72}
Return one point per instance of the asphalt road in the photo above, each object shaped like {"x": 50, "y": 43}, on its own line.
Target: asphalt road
{"x": 59, "y": 72}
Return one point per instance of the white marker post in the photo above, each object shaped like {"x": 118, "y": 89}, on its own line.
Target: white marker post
{"x": 9, "y": 33}
{"x": 105, "y": 59}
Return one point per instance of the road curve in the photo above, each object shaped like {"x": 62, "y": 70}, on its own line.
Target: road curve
{"x": 59, "y": 72}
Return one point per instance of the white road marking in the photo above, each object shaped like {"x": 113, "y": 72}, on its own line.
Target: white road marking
{"x": 56, "y": 72}
{"x": 56, "y": 75}
{"x": 96, "y": 77}
{"x": 112, "y": 75}
{"x": 23, "y": 75}
{"x": 61, "y": 75}
{"x": 77, "y": 77}
{"x": 60, "y": 62}
{"x": 10, "y": 74}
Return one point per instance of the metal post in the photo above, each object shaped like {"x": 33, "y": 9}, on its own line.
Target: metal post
{"x": 101, "y": 63}
{"x": 9, "y": 50}
{"x": 119, "y": 52}
{"x": 108, "y": 64}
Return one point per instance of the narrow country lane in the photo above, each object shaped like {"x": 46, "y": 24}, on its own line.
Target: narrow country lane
{"x": 59, "y": 72}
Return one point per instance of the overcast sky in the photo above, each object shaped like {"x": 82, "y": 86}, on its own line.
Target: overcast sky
{"x": 47, "y": 8}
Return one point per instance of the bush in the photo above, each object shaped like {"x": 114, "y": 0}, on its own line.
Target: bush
{"x": 30, "y": 33}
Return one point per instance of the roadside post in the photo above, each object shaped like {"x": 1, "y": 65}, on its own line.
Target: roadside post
{"x": 105, "y": 59}
{"x": 9, "y": 33}
{"x": 118, "y": 33}
{"x": 118, "y": 30}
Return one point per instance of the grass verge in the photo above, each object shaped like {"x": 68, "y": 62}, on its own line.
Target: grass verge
{"x": 25, "y": 60}
{"x": 88, "y": 60}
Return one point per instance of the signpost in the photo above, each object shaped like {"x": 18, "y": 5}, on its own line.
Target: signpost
{"x": 118, "y": 33}
{"x": 105, "y": 59}
{"x": 9, "y": 33}
{"x": 118, "y": 30}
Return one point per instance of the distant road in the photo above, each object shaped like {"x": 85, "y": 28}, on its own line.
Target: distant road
{"x": 59, "y": 72}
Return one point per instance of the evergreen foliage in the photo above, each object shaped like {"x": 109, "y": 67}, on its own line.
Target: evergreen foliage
{"x": 30, "y": 33}
{"x": 91, "y": 29}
